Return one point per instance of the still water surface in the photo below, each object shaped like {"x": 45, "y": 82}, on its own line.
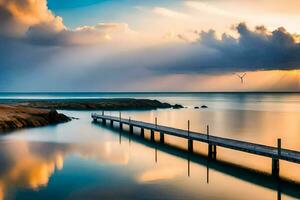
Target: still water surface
{"x": 83, "y": 160}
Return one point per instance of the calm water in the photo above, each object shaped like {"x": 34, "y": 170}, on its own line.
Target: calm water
{"x": 82, "y": 160}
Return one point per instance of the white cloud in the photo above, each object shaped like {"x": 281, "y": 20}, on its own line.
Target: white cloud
{"x": 168, "y": 13}
{"x": 207, "y": 8}
{"x": 32, "y": 21}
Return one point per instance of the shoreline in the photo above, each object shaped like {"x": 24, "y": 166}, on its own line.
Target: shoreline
{"x": 96, "y": 104}
{"x": 17, "y": 114}
{"x": 16, "y": 117}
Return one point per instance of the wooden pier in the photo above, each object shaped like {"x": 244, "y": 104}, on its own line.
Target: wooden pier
{"x": 275, "y": 153}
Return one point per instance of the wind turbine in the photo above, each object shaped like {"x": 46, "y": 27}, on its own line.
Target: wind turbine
{"x": 241, "y": 77}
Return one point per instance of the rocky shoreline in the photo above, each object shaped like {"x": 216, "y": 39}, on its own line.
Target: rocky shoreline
{"x": 16, "y": 114}
{"x": 98, "y": 104}
{"x": 16, "y": 117}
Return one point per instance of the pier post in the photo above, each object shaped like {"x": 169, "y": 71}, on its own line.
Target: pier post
{"x": 190, "y": 141}
{"x": 275, "y": 161}
{"x": 152, "y": 136}
{"x": 279, "y": 147}
{"x": 131, "y": 129}
{"x": 207, "y": 133}
{"x": 142, "y": 132}
{"x": 104, "y": 121}
{"x": 190, "y": 145}
{"x": 156, "y": 122}
{"x": 162, "y": 137}
{"x": 130, "y": 126}
{"x": 111, "y": 123}
{"x": 94, "y": 119}
{"x": 275, "y": 167}
{"x": 212, "y": 151}
{"x": 121, "y": 126}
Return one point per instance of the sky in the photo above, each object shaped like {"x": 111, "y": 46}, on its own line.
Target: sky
{"x": 157, "y": 45}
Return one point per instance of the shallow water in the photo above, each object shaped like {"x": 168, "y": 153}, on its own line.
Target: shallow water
{"x": 83, "y": 160}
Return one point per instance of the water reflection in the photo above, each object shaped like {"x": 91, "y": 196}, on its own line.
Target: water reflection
{"x": 259, "y": 126}
{"x": 80, "y": 160}
{"x": 155, "y": 154}
{"x": 31, "y": 164}
{"x": 188, "y": 161}
{"x": 258, "y": 178}
{"x": 26, "y": 164}
{"x": 207, "y": 172}
{"x": 22, "y": 166}
{"x": 158, "y": 174}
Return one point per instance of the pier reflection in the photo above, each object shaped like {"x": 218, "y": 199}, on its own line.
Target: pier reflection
{"x": 155, "y": 154}
{"x": 258, "y": 178}
{"x": 189, "y": 165}
{"x": 207, "y": 171}
{"x": 279, "y": 190}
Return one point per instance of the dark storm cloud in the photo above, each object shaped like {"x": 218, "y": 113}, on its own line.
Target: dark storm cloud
{"x": 251, "y": 51}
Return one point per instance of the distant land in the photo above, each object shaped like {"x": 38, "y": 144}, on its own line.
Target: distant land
{"x": 15, "y": 114}
{"x": 96, "y": 104}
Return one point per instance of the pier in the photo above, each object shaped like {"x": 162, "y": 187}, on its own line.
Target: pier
{"x": 275, "y": 153}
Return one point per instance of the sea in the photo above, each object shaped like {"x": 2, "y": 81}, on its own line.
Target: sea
{"x": 85, "y": 160}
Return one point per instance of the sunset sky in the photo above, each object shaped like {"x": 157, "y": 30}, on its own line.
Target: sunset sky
{"x": 157, "y": 45}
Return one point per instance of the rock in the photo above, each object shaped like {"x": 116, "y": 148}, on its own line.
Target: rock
{"x": 204, "y": 106}
{"x": 177, "y": 106}
{"x": 14, "y": 117}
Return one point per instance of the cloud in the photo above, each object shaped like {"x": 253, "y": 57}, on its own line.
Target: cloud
{"x": 19, "y": 15}
{"x": 32, "y": 21}
{"x": 168, "y": 13}
{"x": 37, "y": 48}
{"x": 36, "y": 45}
{"x": 203, "y": 7}
{"x": 253, "y": 50}
{"x": 84, "y": 35}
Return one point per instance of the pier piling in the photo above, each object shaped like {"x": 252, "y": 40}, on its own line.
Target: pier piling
{"x": 152, "y": 135}
{"x": 142, "y": 132}
{"x": 275, "y": 161}
{"x": 131, "y": 129}
{"x": 190, "y": 141}
{"x": 275, "y": 167}
{"x": 190, "y": 145}
{"x": 212, "y": 152}
{"x": 162, "y": 137}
